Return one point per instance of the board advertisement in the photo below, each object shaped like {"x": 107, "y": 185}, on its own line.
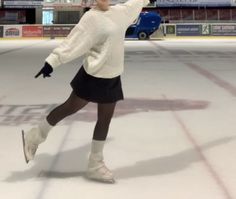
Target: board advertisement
{"x": 32, "y": 31}
{"x": 12, "y": 31}
{"x": 203, "y": 29}
{"x": 170, "y": 30}
{"x": 56, "y": 31}
{"x": 223, "y": 30}
{"x": 188, "y": 30}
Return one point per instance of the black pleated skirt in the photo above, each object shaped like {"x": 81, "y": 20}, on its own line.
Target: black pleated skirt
{"x": 98, "y": 90}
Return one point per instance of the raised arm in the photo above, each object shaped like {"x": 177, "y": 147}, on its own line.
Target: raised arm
{"x": 132, "y": 9}
{"x": 77, "y": 43}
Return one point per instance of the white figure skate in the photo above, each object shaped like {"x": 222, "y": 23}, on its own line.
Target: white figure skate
{"x": 34, "y": 137}
{"x": 98, "y": 171}
{"x": 30, "y": 143}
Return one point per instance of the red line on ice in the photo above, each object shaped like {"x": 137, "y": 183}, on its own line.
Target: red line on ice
{"x": 199, "y": 151}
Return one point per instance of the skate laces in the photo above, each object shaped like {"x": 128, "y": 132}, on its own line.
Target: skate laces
{"x": 104, "y": 169}
{"x": 101, "y": 167}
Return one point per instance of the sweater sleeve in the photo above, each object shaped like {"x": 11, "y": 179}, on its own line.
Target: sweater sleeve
{"x": 132, "y": 9}
{"x": 80, "y": 39}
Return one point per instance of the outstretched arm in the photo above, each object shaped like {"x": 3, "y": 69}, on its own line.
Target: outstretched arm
{"x": 132, "y": 9}
{"x": 77, "y": 43}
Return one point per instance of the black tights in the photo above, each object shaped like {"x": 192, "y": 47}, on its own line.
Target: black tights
{"x": 74, "y": 104}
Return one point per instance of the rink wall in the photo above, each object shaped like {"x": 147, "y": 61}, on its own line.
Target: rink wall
{"x": 168, "y": 30}
{"x": 199, "y": 29}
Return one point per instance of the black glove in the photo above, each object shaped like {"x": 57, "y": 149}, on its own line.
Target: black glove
{"x": 152, "y": 1}
{"x": 46, "y": 70}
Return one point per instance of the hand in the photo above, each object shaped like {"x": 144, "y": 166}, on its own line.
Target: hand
{"x": 46, "y": 70}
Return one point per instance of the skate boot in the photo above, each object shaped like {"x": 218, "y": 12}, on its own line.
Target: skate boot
{"x": 33, "y": 138}
{"x": 97, "y": 170}
{"x": 29, "y": 147}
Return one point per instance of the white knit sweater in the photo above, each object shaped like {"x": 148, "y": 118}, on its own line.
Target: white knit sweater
{"x": 99, "y": 36}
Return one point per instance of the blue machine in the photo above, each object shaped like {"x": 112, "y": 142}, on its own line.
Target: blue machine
{"x": 144, "y": 26}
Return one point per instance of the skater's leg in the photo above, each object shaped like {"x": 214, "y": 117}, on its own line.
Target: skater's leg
{"x": 70, "y": 106}
{"x": 104, "y": 115}
{"x": 96, "y": 167}
{"x": 38, "y": 134}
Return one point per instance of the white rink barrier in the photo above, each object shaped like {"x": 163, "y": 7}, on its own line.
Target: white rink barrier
{"x": 180, "y": 29}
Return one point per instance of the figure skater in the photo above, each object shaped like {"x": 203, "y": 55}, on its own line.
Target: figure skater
{"x": 99, "y": 35}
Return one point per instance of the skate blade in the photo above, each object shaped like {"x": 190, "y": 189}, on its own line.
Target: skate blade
{"x": 111, "y": 181}
{"x": 23, "y": 140}
{"x": 104, "y": 181}
{"x": 108, "y": 181}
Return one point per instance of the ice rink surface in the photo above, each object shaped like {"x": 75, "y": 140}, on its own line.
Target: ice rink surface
{"x": 173, "y": 137}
